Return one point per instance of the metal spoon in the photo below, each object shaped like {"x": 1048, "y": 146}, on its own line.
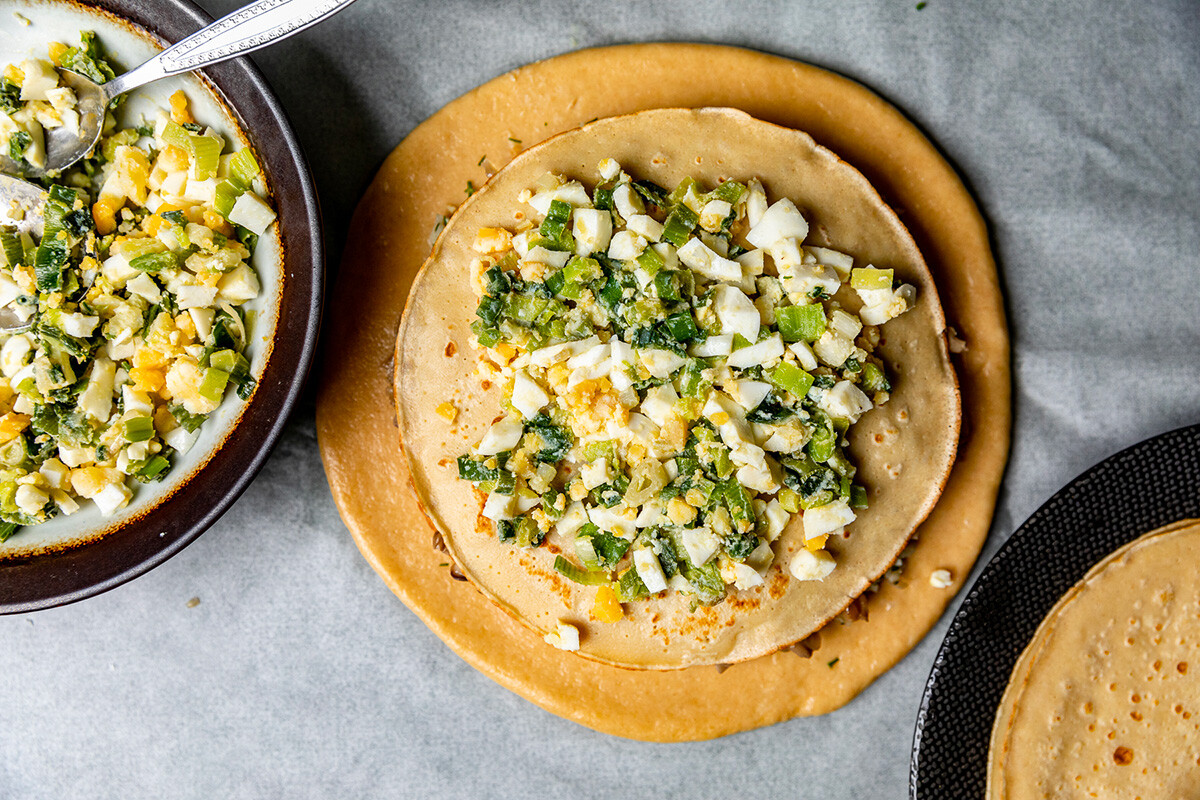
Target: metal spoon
{"x": 254, "y": 26}
{"x": 21, "y": 208}
{"x": 21, "y": 205}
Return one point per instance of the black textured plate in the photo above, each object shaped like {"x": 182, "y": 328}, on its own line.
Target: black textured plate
{"x": 1145, "y": 487}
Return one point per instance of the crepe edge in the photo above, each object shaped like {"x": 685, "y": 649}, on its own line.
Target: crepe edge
{"x": 864, "y": 185}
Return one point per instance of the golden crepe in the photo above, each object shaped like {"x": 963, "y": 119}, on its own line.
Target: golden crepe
{"x": 904, "y": 449}
{"x": 356, "y": 422}
{"x": 1105, "y": 700}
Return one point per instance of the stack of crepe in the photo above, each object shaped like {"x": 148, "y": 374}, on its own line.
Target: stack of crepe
{"x": 1105, "y": 701}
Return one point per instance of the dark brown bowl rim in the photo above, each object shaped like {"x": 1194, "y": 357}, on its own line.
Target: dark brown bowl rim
{"x": 139, "y": 545}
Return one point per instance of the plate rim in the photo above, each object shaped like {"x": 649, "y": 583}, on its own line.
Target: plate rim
{"x": 29, "y": 583}
{"x": 987, "y": 579}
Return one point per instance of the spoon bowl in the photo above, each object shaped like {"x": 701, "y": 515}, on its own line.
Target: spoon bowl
{"x": 245, "y": 30}
{"x": 21, "y": 205}
{"x": 20, "y": 208}
{"x": 64, "y": 147}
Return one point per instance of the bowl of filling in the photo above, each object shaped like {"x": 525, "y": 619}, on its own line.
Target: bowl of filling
{"x": 161, "y": 325}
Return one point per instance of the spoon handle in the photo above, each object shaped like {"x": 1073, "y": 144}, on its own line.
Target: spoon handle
{"x": 249, "y": 28}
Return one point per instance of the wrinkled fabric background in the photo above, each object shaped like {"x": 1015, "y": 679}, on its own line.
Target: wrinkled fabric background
{"x": 1077, "y": 126}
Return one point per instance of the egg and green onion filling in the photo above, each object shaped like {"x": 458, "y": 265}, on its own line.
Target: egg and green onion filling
{"x": 131, "y": 329}
{"x": 678, "y": 377}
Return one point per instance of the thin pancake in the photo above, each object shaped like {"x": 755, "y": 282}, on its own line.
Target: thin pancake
{"x": 356, "y": 414}
{"x": 1104, "y": 701}
{"x": 903, "y": 449}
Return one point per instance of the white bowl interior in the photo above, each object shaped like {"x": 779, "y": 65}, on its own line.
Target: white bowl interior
{"x": 28, "y": 25}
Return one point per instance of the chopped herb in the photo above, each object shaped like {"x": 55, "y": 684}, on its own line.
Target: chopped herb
{"x": 17, "y": 144}
{"x": 10, "y": 98}
{"x": 87, "y": 60}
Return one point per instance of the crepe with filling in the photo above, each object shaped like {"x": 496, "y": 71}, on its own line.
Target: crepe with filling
{"x": 904, "y": 449}
{"x": 1105, "y": 700}
{"x": 387, "y": 244}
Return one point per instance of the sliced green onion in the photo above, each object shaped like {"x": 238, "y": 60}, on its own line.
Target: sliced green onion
{"x": 14, "y": 452}
{"x": 224, "y": 359}
{"x": 822, "y": 444}
{"x": 154, "y": 262}
{"x": 225, "y": 195}
{"x": 682, "y": 326}
{"x": 188, "y": 421}
{"x": 132, "y": 248}
{"x": 49, "y": 260}
{"x": 790, "y": 378}
{"x": 681, "y": 190}
{"x": 585, "y": 548}
{"x": 505, "y": 483}
{"x": 487, "y": 336}
{"x": 126, "y": 137}
{"x": 679, "y": 224}
{"x": 789, "y": 500}
{"x": 139, "y": 429}
{"x": 873, "y": 378}
{"x": 524, "y": 308}
{"x": 63, "y": 194}
{"x": 858, "y": 497}
{"x": 729, "y": 191}
{"x": 842, "y": 465}
{"x": 691, "y": 380}
{"x": 154, "y": 467}
{"x": 870, "y": 278}
{"x": 473, "y": 470}
{"x": 574, "y": 572}
{"x": 206, "y": 155}
{"x": 651, "y": 261}
{"x": 175, "y": 135}
{"x": 204, "y": 151}
{"x": 243, "y": 168}
{"x": 582, "y": 270}
{"x": 605, "y": 449}
{"x": 603, "y": 197}
{"x": 556, "y": 282}
{"x": 528, "y": 534}
{"x": 630, "y": 586}
{"x": 801, "y": 323}
{"x": 817, "y": 499}
{"x": 212, "y": 387}
{"x": 666, "y": 286}
{"x": 550, "y": 505}
{"x": 572, "y": 291}
{"x": 17, "y": 144}
{"x": 556, "y": 220}
{"x": 737, "y": 500}
{"x": 11, "y": 251}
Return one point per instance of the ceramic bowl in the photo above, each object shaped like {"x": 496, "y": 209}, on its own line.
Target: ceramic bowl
{"x": 70, "y": 558}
